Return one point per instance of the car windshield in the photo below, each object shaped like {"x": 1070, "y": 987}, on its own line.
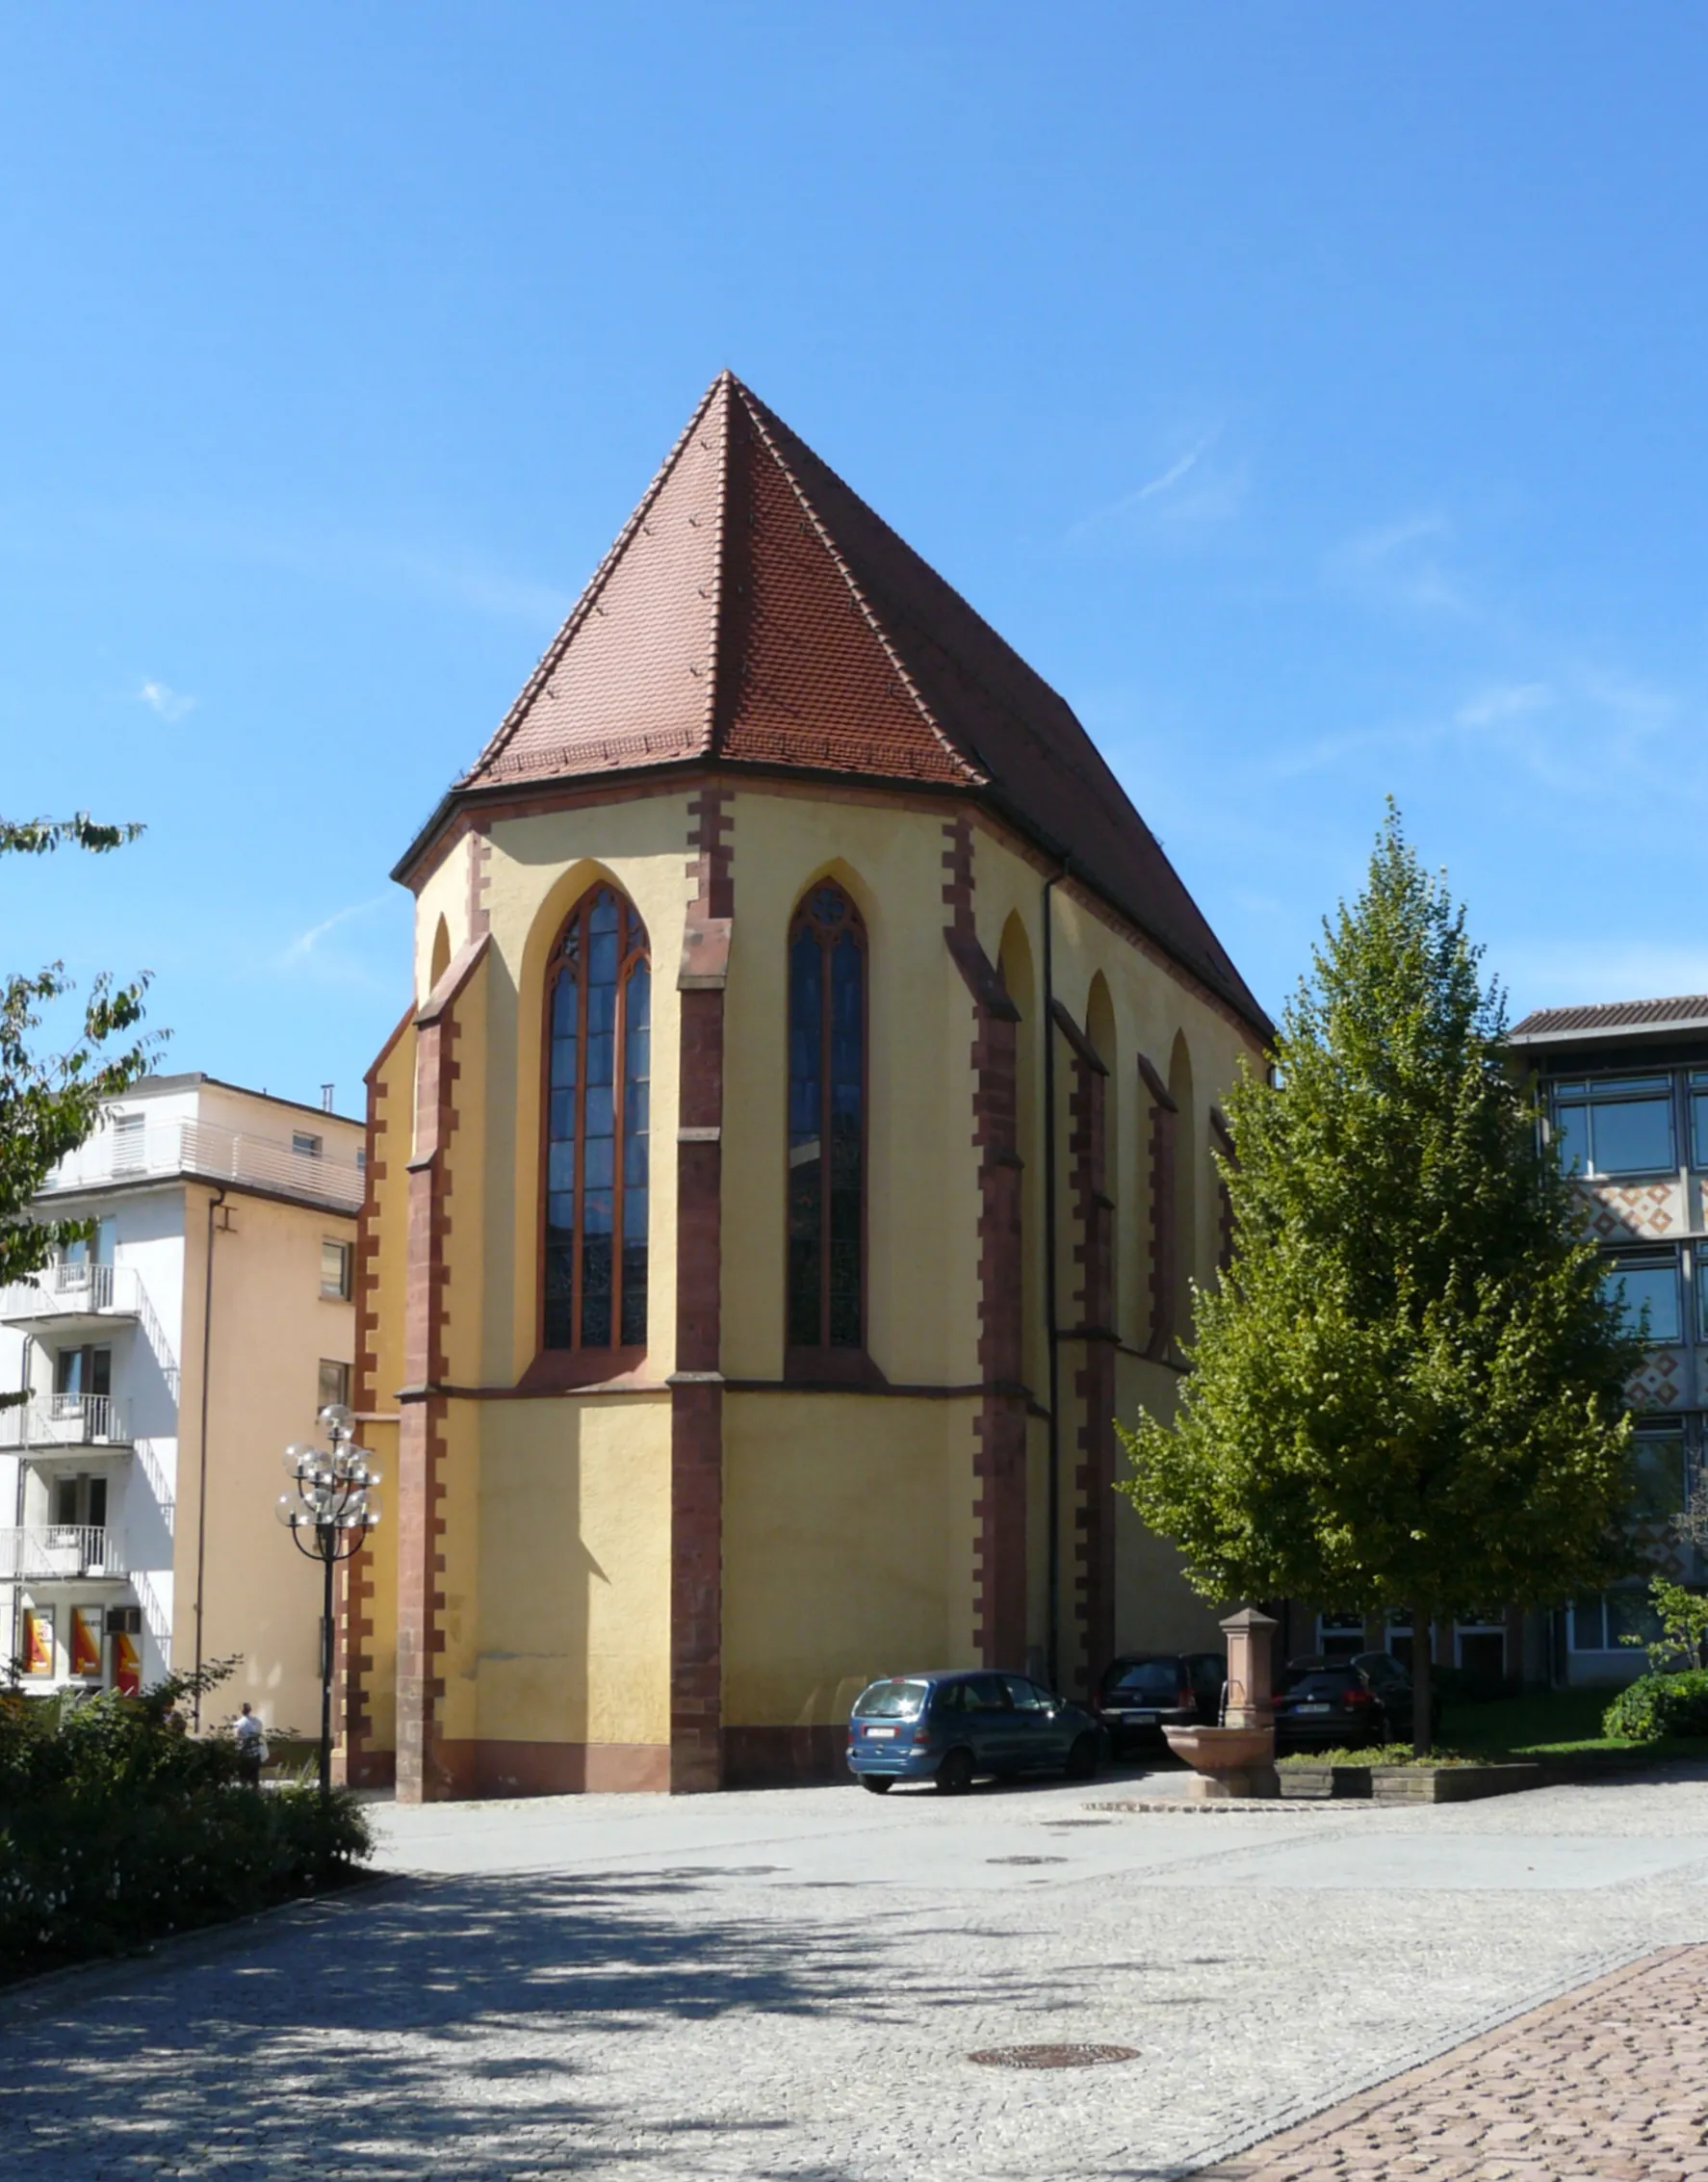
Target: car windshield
{"x": 1144, "y": 1677}
{"x": 892, "y": 1700}
{"x": 1322, "y": 1682}
{"x": 1379, "y": 1667}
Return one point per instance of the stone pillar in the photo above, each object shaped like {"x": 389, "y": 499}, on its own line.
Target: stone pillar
{"x": 1250, "y": 1691}
{"x": 1250, "y": 1670}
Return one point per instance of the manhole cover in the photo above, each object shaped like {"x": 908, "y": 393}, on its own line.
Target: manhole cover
{"x": 1026, "y": 1859}
{"x": 1052, "y": 2055}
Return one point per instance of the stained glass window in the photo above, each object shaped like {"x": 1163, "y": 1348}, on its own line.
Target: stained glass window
{"x": 599, "y": 1070}
{"x": 826, "y": 1120}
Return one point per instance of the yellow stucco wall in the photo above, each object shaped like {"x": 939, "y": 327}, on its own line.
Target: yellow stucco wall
{"x": 575, "y": 1569}
{"x": 271, "y": 1327}
{"x": 847, "y": 1543}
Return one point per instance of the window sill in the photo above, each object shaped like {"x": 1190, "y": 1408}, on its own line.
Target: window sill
{"x": 830, "y": 1368}
{"x": 562, "y": 1370}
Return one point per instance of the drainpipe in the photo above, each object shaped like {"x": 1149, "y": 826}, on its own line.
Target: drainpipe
{"x": 1055, "y": 1465}
{"x": 202, "y": 1458}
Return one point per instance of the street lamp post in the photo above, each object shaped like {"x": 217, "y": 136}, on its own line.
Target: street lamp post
{"x": 329, "y": 1514}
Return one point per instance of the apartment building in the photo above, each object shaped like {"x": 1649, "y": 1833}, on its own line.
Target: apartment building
{"x": 1626, "y": 1089}
{"x": 165, "y": 1364}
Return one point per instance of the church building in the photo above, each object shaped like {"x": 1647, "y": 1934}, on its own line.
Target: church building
{"x": 797, "y": 1151}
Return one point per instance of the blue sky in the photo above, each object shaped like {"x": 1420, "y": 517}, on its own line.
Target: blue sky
{"x": 1312, "y": 394}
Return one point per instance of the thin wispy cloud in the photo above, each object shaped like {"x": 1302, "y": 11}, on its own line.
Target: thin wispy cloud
{"x": 1567, "y": 731}
{"x": 1402, "y": 563}
{"x": 1191, "y": 491}
{"x": 1166, "y": 479}
{"x": 304, "y": 945}
{"x": 164, "y": 701}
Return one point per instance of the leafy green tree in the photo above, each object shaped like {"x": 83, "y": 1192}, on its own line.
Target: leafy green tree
{"x": 49, "y": 1103}
{"x": 1408, "y": 1392}
{"x": 1683, "y": 1616}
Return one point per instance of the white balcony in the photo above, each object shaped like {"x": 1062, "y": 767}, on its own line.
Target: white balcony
{"x": 72, "y": 1422}
{"x": 159, "y": 1149}
{"x": 61, "y": 1551}
{"x": 68, "y": 1300}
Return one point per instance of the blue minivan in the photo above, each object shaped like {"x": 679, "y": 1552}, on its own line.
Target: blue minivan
{"x": 950, "y": 1727}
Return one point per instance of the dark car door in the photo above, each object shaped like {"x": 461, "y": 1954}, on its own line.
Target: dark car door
{"x": 1392, "y": 1692}
{"x": 991, "y": 1725}
{"x": 1039, "y": 1736}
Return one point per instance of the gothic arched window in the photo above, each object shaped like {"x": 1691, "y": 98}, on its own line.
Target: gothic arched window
{"x": 826, "y": 1122}
{"x": 598, "y": 1070}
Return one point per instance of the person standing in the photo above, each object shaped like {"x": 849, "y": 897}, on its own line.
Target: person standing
{"x": 251, "y": 1748}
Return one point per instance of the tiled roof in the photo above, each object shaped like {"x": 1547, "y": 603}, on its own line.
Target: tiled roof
{"x": 1615, "y": 1015}
{"x": 754, "y": 611}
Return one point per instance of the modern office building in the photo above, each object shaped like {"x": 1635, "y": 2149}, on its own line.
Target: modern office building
{"x": 165, "y": 1364}
{"x": 1624, "y": 1093}
{"x": 1625, "y": 1088}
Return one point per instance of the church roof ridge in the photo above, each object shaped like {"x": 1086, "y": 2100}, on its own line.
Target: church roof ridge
{"x": 553, "y": 652}
{"x": 764, "y": 418}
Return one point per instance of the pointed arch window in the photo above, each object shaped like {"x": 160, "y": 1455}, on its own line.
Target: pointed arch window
{"x": 827, "y": 958}
{"x": 598, "y": 1076}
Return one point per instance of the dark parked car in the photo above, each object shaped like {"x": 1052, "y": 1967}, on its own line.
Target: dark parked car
{"x": 1346, "y": 1704}
{"x": 1143, "y": 1691}
{"x": 949, "y": 1726}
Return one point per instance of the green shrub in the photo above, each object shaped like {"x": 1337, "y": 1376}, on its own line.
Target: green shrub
{"x": 1660, "y": 1704}
{"x": 117, "y": 1827}
{"x": 1375, "y": 1753}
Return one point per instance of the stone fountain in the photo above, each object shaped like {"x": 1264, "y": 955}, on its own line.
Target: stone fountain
{"x": 1238, "y": 1757}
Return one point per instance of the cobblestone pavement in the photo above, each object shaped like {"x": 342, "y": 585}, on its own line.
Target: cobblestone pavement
{"x": 1609, "y": 2084}
{"x": 789, "y": 1985}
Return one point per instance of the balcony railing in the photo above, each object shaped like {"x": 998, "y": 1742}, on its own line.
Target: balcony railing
{"x": 210, "y": 1153}
{"x": 73, "y": 1291}
{"x": 58, "y": 1551}
{"x": 65, "y": 1421}
{"x": 67, "y": 1292}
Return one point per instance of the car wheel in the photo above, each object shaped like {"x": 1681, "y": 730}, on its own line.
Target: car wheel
{"x": 1083, "y": 1759}
{"x": 954, "y": 1776}
{"x": 874, "y": 1784}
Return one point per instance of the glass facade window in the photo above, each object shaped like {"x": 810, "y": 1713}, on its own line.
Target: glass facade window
{"x": 1657, "y": 1475}
{"x": 1639, "y": 1279}
{"x": 1700, "y": 1273}
{"x": 1622, "y": 1125}
{"x": 333, "y": 1386}
{"x": 1698, "y": 1095}
{"x": 598, "y": 1122}
{"x": 1340, "y": 1636}
{"x": 826, "y": 1122}
{"x": 335, "y": 1258}
{"x": 1601, "y": 1623}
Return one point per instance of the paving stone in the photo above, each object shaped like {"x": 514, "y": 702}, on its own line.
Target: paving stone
{"x": 789, "y": 1986}
{"x": 1638, "y": 2036}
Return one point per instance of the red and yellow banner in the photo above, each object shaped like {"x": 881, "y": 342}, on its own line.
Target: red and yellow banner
{"x": 86, "y": 1641}
{"x": 127, "y": 1665}
{"x": 38, "y": 1640}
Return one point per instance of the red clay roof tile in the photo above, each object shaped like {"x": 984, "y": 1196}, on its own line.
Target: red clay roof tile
{"x": 755, "y": 610}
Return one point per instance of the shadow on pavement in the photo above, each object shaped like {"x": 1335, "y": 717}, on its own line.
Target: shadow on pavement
{"x": 438, "y": 2027}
